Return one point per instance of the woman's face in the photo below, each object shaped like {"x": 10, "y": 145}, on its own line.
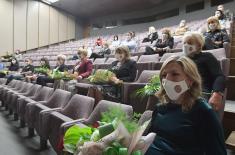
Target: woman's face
{"x": 28, "y": 62}
{"x": 212, "y": 25}
{"x": 128, "y": 36}
{"x": 164, "y": 36}
{"x": 82, "y": 56}
{"x": 60, "y": 61}
{"x": 192, "y": 45}
{"x": 115, "y": 38}
{"x": 120, "y": 56}
{"x": 13, "y": 61}
{"x": 174, "y": 72}
{"x": 217, "y": 14}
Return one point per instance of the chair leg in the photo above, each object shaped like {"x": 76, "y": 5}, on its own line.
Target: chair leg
{"x": 30, "y": 132}
{"x": 10, "y": 112}
{"x": 43, "y": 144}
{"x": 22, "y": 124}
{"x": 16, "y": 117}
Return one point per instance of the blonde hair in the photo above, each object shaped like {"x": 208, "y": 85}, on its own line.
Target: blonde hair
{"x": 61, "y": 57}
{"x": 195, "y": 36}
{"x": 123, "y": 50}
{"x": 82, "y": 51}
{"x": 191, "y": 71}
{"x": 152, "y": 29}
{"x": 214, "y": 19}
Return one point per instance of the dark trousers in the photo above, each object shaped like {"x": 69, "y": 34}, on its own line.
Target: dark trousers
{"x": 43, "y": 80}
{"x": 150, "y": 51}
{"x": 96, "y": 55}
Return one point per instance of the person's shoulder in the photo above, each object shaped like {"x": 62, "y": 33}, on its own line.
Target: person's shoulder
{"x": 132, "y": 62}
{"x": 202, "y": 106}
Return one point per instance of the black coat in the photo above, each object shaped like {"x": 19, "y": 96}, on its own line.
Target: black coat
{"x": 126, "y": 72}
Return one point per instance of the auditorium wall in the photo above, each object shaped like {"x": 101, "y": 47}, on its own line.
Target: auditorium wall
{"x": 30, "y": 24}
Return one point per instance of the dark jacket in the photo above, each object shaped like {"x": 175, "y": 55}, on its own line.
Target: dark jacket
{"x": 211, "y": 37}
{"x": 151, "y": 37}
{"x": 14, "y": 67}
{"x": 126, "y": 72}
{"x": 85, "y": 68}
{"x": 28, "y": 68}
{"x": 168, "y": 43}
{"x": 62, "y": 68}
{"x": 104, "y": 52}
{"x": 195, "y": 132}
{"x": 209, "y": 68}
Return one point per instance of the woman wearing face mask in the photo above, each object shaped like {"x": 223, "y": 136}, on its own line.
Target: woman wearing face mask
{"x": 26, "y": 70}
{"x": 43, "y": 80}
{"x": 181, "y": 29}
{"x": 209, "y": 69}
{"x": 183, "y": 122}
{"x": 214, "y": 37}
{"x": 130, "y": 42}
{"x": 124, "y": 68}
{"x": 162, "y": 45}
{"x": 14, "y": 67}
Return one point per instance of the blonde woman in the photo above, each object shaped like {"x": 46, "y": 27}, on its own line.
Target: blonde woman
{"x": 214, "y": 37}
{"x": 60, "y": 66}
{"x": 183, "y": 122}
{"x": 152, "y": 35}
{"x": 209, "y": 69}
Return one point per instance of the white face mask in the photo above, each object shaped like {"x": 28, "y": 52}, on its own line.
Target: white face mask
{"x": 188, "y": 49}
{"x": 212, "y": 26}
{"x": 174, "y": 89}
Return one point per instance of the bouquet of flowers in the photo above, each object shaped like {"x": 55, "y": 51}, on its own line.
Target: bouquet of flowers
{"x": 4, "y": 72}
{"x": 101, "y": 76}
{"x": 116, "y": 134}
{"x": 151, "y": 88}
{"x": 57, "y": 75}
{"x": 42, "y": 70}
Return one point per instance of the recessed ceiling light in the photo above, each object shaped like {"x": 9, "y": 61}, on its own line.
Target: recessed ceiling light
{"x": 49, "y": 1}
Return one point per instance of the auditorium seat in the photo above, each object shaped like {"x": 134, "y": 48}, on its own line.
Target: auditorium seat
{"x": 96, "y": 114}
{"x": 97, "y": 62}
{"x": 42, "y": 95}
{"x": 79, "y": 107}
{"x": 129, "y": 90}
{"x": 32, "y": 90}
{"x": 146, "y": 62}
{"x": 56, "y": 101}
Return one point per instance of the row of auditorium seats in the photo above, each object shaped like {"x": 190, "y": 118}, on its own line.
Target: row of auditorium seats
{"x": 51, "y": 112}
{"x": 70, "y": 49}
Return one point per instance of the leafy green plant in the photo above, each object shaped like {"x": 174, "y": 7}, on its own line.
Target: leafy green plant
{"x": 151, "y": 88}
{"x": 117, "y": 113}
{"x": 42, "y": 70}
{"x": 101, "y": 76}
{"x": 57, "y": 75}
{"x": 76, "y": 135}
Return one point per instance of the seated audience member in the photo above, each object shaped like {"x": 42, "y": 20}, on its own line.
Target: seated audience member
{"x": 214, "y": 37}
{"x": 162, "y": 45}
{"x": 14, "y": 67}
{"x": 227, "y": 14}
{"x": 17, "y": 54}
{"x": 222, "y": 20}
{"x": 26, "y": 70}
{"x": 105, "y": 51}
{"x": 99, "y": 42}
{"x": 181, "y": 29}
{"x": 83, "y": 68}
{"x": 44, "y": 63}
{"x": 152, "y": 35}
{"x": 60, "y": 66}
{"x": 124, "y": 68}
{"x": 208, "y": 67}
{"x": 115, "y": 43}
{"x": 184, "y": 123}
{"x": 130, "y": 42}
